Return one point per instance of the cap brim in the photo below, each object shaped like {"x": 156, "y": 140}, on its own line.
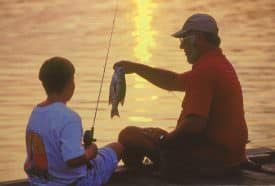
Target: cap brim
{"x": 179, "y": 33}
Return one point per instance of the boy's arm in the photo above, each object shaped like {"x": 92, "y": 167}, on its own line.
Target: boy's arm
{"x": 90, "y": 153}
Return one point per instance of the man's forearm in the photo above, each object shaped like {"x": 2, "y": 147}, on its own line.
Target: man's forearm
{"x": 164, "y": 79}
{"x": 191, "y": 126}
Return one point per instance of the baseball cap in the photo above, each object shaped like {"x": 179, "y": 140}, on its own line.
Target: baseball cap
{"x": 198, "y": 22}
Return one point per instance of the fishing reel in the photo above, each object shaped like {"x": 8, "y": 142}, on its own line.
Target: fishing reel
{"x": 88, "y": 137}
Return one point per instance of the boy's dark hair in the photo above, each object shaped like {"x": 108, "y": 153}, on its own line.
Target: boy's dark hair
{"x": 214, "y": 39}
{"x": 55, "y": 74}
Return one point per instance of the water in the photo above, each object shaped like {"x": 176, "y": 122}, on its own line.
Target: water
{"x": 32, "y": 31}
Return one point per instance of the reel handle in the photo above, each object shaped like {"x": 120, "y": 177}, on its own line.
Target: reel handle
{"x": 88, "y": 137}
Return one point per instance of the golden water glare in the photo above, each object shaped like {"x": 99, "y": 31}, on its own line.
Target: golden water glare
{"x": 144, "y": 34}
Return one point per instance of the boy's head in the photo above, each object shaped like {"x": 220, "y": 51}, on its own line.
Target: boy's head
{"x": 55, "y": 74}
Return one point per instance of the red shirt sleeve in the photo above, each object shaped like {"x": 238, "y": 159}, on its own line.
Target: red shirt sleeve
{"x": 199, "y": 92}
{"x": 183, "y": 80}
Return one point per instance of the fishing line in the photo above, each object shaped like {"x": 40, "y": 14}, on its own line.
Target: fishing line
{"x": 106, "y": 60}
{"x": 105, "y": 64}
{"x": 176, "y": 96}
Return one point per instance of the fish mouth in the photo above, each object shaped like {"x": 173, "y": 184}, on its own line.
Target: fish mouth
{"x": 114, "y": 112}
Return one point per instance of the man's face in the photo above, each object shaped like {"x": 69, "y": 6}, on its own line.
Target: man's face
{"x": 188, "y": 44}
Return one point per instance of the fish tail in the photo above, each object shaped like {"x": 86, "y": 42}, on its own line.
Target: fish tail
{"x": 114, "y": 112}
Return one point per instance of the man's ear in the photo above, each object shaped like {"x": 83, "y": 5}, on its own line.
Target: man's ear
{"x": 199, "y": 40}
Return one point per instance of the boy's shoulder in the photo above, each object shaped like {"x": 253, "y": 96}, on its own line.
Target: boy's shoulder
{"x": 58, "y": 110}
{"x": 66, "y": 111}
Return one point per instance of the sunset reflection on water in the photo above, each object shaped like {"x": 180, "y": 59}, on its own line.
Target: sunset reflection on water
{"x": 144, "y": 33}
{"x": 144, "y": 36}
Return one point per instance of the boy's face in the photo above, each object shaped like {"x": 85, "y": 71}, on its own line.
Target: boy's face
{"x": 69, "y": 89}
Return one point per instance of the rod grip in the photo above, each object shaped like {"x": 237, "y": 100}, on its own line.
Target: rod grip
{"x": 88, "y": 137}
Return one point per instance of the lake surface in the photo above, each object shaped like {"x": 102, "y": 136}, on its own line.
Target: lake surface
{"x": 32, "y": 31}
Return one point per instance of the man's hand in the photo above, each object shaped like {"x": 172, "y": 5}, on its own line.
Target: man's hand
{"x": 128, "y": 66}
{"x": 91, "y": 151}
{"x": 190, "y": 128}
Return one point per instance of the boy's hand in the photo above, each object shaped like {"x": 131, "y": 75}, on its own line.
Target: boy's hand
{"x": 91, "y": 151}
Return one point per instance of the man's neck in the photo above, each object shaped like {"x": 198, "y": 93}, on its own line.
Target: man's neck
{"x": 207, "y": 48}
{"x": 204, "y": 51}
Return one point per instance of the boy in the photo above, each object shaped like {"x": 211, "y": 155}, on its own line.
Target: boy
{"x": 55, "y": 155}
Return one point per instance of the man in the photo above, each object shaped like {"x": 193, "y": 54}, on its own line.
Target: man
{"x": 211, "y": 130}
{"x": 55, "y": 155}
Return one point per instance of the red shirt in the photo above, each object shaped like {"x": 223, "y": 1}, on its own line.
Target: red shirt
{"x": 212, "y": 90}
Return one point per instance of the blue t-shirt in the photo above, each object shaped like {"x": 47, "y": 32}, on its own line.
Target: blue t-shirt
{"x": 60, "y": 131}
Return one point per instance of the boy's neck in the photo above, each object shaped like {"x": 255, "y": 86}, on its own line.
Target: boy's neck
{"x": 52, "y": 99}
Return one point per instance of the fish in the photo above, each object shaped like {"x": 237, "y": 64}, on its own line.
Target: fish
{"x": 117, "y": 91}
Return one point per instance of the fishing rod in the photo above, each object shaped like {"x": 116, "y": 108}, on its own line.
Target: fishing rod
{"x": 88, "y": 137}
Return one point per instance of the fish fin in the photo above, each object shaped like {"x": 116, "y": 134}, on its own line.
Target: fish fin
{"x": 110, "y": 94}
{"x": 110, "y": 99}
{"x": 114, "y": 112}
{"x": 122, "y": 102}
{"x": 123, "y": 95}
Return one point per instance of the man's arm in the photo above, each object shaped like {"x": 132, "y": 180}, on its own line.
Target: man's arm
{"x": 164, "y": 79}
{"x": 191, "y": 126}
{"x": 90, "y": 153}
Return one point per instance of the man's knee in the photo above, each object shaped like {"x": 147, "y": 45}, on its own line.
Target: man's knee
{"x": 138, "y": 142}
{"x": 118, "y": 148}
{"x": 128, "y": 134}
